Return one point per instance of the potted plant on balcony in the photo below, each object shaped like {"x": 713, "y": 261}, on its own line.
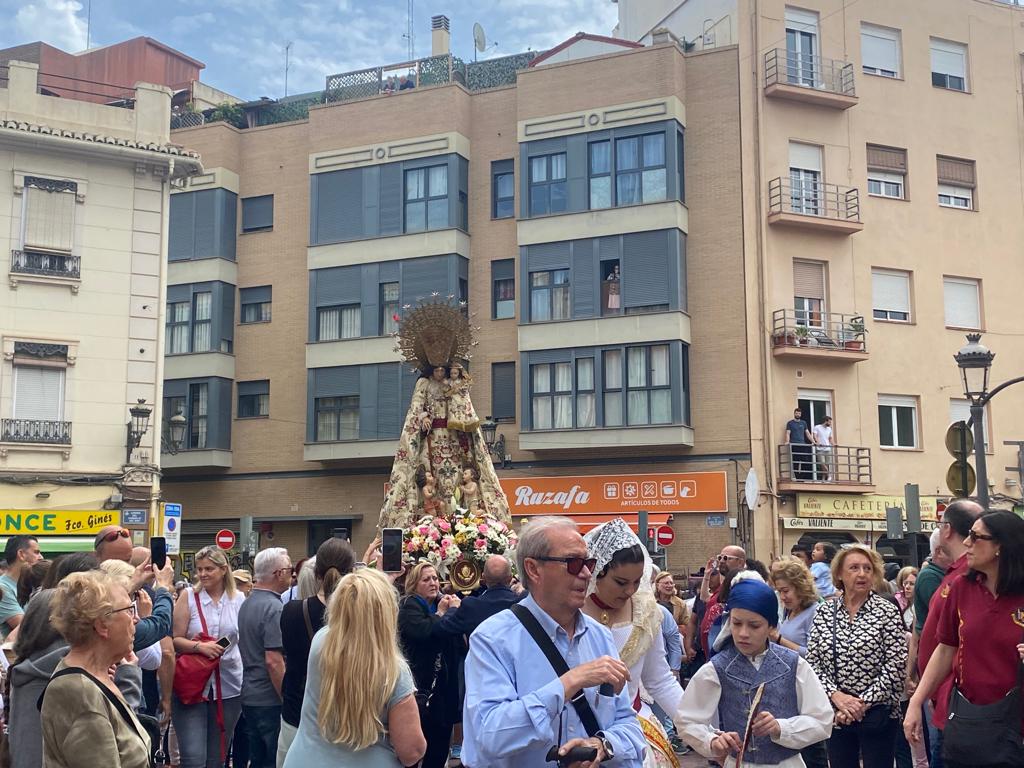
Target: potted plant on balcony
{"x": 855, "y": 341}
{"x": 785, "y": 337}
{"x": 803, "y": 335}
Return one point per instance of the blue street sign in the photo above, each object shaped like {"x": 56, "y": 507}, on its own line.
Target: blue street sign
{"x": 172, "y": 510}
{"x": 133, "y": 516}
{"x": 715, "y": 521}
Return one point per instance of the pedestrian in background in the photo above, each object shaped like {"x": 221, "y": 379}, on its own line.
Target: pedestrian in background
{"x": 801, "y": 446}
{"x": 821, "y": 568}
{"x": 802, "y": 552}
{"x": 20, "y": 552}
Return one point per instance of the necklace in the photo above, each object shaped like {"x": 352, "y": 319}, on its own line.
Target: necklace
{"x": 605, "y": 616}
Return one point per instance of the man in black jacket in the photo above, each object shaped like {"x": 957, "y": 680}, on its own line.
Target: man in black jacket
{"x": 498, "y": 595}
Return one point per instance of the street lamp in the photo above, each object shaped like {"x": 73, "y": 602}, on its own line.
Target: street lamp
{"x": 176, "y": 434}
{"x": 495, "y": 447}
{"x": 137, "y": 426}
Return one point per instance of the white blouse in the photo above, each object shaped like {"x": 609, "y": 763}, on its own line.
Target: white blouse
{"x": 652, "y": 671}
{"x": 221, "y": 621}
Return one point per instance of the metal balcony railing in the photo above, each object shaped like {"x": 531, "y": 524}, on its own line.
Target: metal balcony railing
{"x": 827, "y": 331}
{"x": 842, "y": 464}
{"x": 52, "y": 264}
{"x": 393, "y": 78}
{"x": 782, "y": 67}
{"x": 35, "y": 431}
{"x": 814, "y": 198}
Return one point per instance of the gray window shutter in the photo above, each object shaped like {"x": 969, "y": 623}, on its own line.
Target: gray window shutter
{"x": 257, "y": 213}
{"x": 503, "y": 269}
{"x": 421, "y": 277}
{"x": 227, "y": 223}
{"x": 253, "y": 388}
{"x": 227, "y": 316}
{"x": 256, "y": 295}
{"x": 391, "y": 199}
{"x": 389, "y": 411}
{"x": 337, "y": 285}
{"x": 205, "y": 224}
{"x": 645, "y": 269}
{"x": 503, "y": 391}
{"x": 584, "y": 287}
{"x": 339, "y": 206}
{"x": 181, "y": 244}
{"x": 219, "y": 417}
{"x": 336, "y": 382}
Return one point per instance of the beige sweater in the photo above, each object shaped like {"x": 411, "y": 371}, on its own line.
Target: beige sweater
{"x": 83, "y": 729}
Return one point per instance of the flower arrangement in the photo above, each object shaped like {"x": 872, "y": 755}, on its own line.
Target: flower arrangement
{"x": 431, "y": 539}
{"x": 468, "y": 536}
{"x": 477, "y": 535}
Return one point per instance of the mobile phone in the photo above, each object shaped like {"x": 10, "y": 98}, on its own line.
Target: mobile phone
{"x": 224, "y": 643}
{"x": 574, "y": 755}
{"x": 158, "y": 552}
{"x": 391, "y": 549}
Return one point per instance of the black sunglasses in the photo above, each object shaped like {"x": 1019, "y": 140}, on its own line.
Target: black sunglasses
{"x": 572, "y": 564}
{"x": 974, "y": 536}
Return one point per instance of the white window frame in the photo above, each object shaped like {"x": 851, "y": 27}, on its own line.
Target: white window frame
{"x": 892, "y": 273}
{"x": 893, "y": 402}
{"x": 968, "y": 281}
{"x": 889, "y": 35}
{"x": 950, "y": 194}
{"x": 960, "y": 409}
{"x": 884, "y": 180}
{"x": 948, "y": 47}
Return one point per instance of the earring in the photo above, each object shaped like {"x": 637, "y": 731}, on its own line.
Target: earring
{"x": 997, "y": 553}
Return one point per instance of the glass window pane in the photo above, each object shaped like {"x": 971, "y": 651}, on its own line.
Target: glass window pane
{"x": 438, "y": 186}
{"x": 415, "y": 217}
{"x": 540, "y": 278}
{"x": 560, "y": 303}
{"x": 627, "y": 154}
{"x": 563, "y": 377}
{"x": 558, "y": 197}
{"x": 540, "y": 305}
{"x": 351, "y": 318}
{"x": 414, "y": 182}
{"x": 637, "y": 367}
{"x": 638, "y": 408}
{"x": 329, "y": 322}
{"x": 503, "y": 310}
{"x": 627, "y": 189}
{"x": 538, "y": 169}
{"x": 601, "y": 157}
{"x": 613, "y": 369}
{"x": 905, "y": 427}
{"x": 558, "y": 166}
{"x": 654, "y": 150}
{"x": 539, "y": 200}
{"x": 659, "y": 366}
{"x": 201, "y": 339}
{"x": 885, "y": 426}
{"x": 613, "y": 409}
{"x": 504, "y": 184}
{"x": 563, "y": 412}
{"x": 504, "y": 209}
{"x": 601, "y": 192}
{"x": 561, "y": 276}
{"x": 542, "y": 412}
{"x": 585, "y": 373}
{"x": 586, "y": 414}
{"x": 437, "y": 214}
{"x": 654, "y": 185}
{"x": 204, "y": 305}
{"x": 661, "y": 406}
{"x": 541, "y": 378}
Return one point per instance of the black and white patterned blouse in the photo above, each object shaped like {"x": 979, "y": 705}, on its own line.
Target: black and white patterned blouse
{"x": 865, "y": 657}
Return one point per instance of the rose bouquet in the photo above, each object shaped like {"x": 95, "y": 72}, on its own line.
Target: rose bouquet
{"x": 432, "y": 539}
{"x": 478, "y": 536}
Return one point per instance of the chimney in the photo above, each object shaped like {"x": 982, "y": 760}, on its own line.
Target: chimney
{"x": 440, "y": 37}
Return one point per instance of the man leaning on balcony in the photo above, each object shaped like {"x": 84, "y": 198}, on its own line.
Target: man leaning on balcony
{"x": 800, "y": 441}
{"x": 823, "y": 445}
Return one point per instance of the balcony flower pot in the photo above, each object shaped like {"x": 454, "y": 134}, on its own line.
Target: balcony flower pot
{"x": 785, "y": 338}
{"x": 855, "y": 344}
{"x": 802, "y": 336}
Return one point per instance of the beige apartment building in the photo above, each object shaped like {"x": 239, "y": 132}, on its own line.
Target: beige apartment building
{"x": 882, "y": 221}
{"x": 84, "y": 191}
{"x": 519, "y": 192}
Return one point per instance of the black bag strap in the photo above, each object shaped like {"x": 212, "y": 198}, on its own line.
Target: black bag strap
{"x": 540, "y": 637}
{"x": 305, "y": 615}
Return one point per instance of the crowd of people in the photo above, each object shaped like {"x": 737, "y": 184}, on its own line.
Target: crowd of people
{"x": 823, "y": 658}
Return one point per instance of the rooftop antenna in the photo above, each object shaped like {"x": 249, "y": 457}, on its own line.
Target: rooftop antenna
{"x": 88, "y": 24}
{"x": 287, "y": 64}
{"x": 479, "y": 39}
{"x": 410, "y": 32}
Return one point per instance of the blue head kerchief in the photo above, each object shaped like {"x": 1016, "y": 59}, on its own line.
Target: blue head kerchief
{"x": 756, "y": 596}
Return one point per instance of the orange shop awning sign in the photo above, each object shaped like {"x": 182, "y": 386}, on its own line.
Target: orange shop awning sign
{"x": 674, "y": 492}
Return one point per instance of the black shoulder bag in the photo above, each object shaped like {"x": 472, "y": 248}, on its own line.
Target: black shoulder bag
{"x": 540, "y": 637}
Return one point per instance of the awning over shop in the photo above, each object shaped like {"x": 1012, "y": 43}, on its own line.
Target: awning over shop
{"x": 845, "y": 524}
{"x": 60, "y": 544}
{"x": 588, "y": 520}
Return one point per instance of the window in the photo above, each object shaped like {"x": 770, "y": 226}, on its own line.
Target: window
{"x": 885, "y": 184}
{"x": 253, "y": 399}
{"x": 426, "y": 198}
{"x": 257, "y": 213}
{"x": 503, "y": 289}
{"x": 887, "y": 171}
{"x": 949, "y": 64}
{"x": 880, "y": 50}
{"x": 612, "y": 361}
{"x": 897, "y": 421}
{"x": 202, "y": 324}
{"x": 503, "y": 190}
{"x": 962, "y": 298}
{"x": 256, "y": 304}
{"x": 503, "y": 391}
{"x": 48, "y": 220}
{"x": 890, "y": 295}
{"x": 389, "y": 298}
{"x": 198, "y": 415}
{"x": 809, "y": 292}
{"x": 586, "y": 405}
{"x": 337, "y": 418}
{"x": 805, "y": 178}
{"x": 547, "y": 184}
{"x": 549, "y": 295}
{"x": 600, "y": 174}
{"x": 178, "y": 314}
{"x": 649, "y": 391}
{"x": 960, "y": 410}
{"x": 802, "y": 47}
{"x": 640, "y": 175}
{"x": 955, "y": 197}
{"x": 552, "y": 395}
{"x": 38, "y": 393}
{"x": 335, "y": 323}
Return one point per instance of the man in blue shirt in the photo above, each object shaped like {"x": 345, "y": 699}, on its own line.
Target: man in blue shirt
{"x": 20, "y": 553}
{"x": 516, "y": 707}
{"x": 800, "y": 440}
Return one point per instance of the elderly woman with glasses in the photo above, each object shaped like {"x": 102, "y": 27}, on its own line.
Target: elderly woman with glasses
{"x": 85, "y": 720}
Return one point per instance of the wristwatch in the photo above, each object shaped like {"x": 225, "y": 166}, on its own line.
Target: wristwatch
{"x": 606, "y": 745}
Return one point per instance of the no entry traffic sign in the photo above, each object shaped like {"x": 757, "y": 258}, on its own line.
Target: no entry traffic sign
{"x": 225, "y": 539}
{"x": 664, "y": 535}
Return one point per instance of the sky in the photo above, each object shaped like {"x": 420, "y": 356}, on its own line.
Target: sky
{"x": 242, "y": 42}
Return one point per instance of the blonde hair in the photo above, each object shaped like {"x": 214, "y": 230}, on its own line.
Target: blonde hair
{"x": 119, "y": 571}
{"x": 877, "y": 566}
{"x": 415, "y": 574}
{"x": 78, "y": 601}
{"x": 798, "y": 576}
{"x": 901, "y": 577}
{"x": 361, "y": 644}
{"x": 216, "y": 556}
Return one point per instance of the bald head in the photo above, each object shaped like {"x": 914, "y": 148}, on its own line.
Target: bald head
{"x": 732, "y": 560}
{"x": 113, "y": 543}
{"x": 139, "y": 556}
{"x": 497, "y": 572}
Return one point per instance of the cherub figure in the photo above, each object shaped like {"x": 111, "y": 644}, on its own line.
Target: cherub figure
{"x": 432, "y": 504}
{"x": 469, "y": 489}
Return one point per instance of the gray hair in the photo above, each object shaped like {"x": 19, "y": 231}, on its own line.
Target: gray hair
{"x": 308, "y": 584}
{"x": 267, "y": 561}
{"x": 934, "y": 541}
{"x": 533, "y": 540}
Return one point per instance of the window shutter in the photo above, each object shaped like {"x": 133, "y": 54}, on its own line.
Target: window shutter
{"x": 954, "y": 171}
{"x": 389, "y": 408}
{"x": 503, "y": 390}
{"x": 801, "y": 20}
{"x": 890, "y": 291}
{"x": 256, "y": 295}
{"x": 253, "y": 388}
{"x": 809, "y": 279}
{"x": 257, "y": 213}
{"x": 38, "y": 393}
{"x": 949, "y": 58}
{"x": 879, "y": 47}
{"x": 503, "y": 269}
{"x": 961, "y": 299}
{"x": 806, "y": 156}
{"x": 887, "y": 159}
{"x": 49, "y": 219}
{"x": 181, "y": 240}
{"x": 645, "y": 268}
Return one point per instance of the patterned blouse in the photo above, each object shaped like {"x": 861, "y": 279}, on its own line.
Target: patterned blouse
{"x": 866, "y": 656}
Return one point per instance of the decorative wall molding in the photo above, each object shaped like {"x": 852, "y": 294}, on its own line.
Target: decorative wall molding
{"x": 80, "y": 186}
{"x": 602, "y": 118}
{"x": 389, "y": 152}
{"x": 9, "y": 341}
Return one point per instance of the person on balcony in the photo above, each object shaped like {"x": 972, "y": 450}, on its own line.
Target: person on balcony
{"x": 823, "y": 445}
{"x": 801, "y": 446}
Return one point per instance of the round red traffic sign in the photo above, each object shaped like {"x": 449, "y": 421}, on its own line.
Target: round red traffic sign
{"x": 225, "y": 539}
{"x": 664, "y": 535}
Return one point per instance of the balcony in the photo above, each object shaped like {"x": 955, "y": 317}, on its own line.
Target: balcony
{"x": 37, "y": 266}
{"x": 808, "y": 469}
{"x": 35, "y": 434}
{"x": 826, "y": 336}
{"x": 809, "y": 79}
{"x": 814, "y": 205}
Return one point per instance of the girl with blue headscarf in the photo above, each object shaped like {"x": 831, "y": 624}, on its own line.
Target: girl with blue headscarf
{"x": 793, "y": 712}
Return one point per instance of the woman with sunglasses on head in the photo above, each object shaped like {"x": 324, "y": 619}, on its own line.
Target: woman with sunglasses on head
{"x": 621, "y": 597}
{"x": 201, "y": 741}
{"x": 85, "y": 720}
{"x": 981, "y": 638}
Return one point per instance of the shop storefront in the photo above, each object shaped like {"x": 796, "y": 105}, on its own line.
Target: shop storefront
{"x": 860, "y": 518}
{"x": 59, "y": 530}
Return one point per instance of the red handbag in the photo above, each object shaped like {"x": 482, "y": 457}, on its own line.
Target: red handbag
{"x": 192, "y": 671}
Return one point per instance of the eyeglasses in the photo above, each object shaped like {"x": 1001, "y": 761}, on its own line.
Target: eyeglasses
{"x": 720, "y": 558}
{"x": 974, "y": 536}
{"x": 123, "y": 533}
{"x": 572, "y": 564}
{"x": 130, "y": 607}
{"x": 288, "y": 569}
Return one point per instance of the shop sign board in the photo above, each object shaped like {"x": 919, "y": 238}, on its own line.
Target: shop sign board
{"x": 845, "y": 524}
{"x": 673, "y": 492}
{"x": 856, "y": 506}
{"x": 56, "y": 522}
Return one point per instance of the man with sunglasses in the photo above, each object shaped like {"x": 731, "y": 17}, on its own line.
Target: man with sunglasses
{"x": 516, "y": 706}
{"x": 113, "y": 543}
{"x": 21, "y": 552}
{"x": 730, "y": 561}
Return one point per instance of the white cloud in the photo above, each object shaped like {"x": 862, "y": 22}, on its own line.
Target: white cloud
{"x": 53, "y": 21}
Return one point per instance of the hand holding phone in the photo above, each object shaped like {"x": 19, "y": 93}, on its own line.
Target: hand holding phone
{"x": 391, "y": 549}
{"x": 158, "y": 552}
{"x": 224, "y": 643}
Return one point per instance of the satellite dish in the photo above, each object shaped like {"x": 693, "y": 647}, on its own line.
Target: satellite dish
{"x": 479, "y": 38}
{"x": 752, "y": 489}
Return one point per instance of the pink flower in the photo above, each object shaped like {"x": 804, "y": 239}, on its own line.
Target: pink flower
{"x": 444, "y": 525}
{"x": 434, "y": 535}
{"x": 410, "y": 547}
{"x": 482, "y": 528}
{"x": 423, "y": 530}
{"x": 480, "y": 544}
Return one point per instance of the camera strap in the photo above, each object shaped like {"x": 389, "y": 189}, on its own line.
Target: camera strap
{"x": 543, "y": 641}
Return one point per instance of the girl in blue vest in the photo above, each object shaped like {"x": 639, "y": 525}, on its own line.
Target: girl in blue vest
{"x": 793, "y": 712}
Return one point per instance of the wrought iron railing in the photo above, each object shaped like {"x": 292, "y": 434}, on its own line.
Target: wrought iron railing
{"x": 187, "y": 120}
{"x": 806, "y": 463}
{"x": 814, "y": 198}
{"x": 782, "y": 67}
{"x": 35, "y": 431}
{"x": 828, "y": 331}
{"x": 51, "y": 264}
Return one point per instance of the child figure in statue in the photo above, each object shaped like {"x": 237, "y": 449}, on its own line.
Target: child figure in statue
{"x": 432, "y": 504}
{"x": 461, "y": 414}
{"x": 469, "y": 491}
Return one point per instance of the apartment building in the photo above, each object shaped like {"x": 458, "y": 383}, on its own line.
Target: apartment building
{"x": 84, "y": 193}
{"x": 589, "y": 212}
{"x": 882, "y": 208}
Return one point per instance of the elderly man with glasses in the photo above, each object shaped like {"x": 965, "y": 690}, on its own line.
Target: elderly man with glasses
{"x": 518, "y": 707}
{"x": 731, "y": 561}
